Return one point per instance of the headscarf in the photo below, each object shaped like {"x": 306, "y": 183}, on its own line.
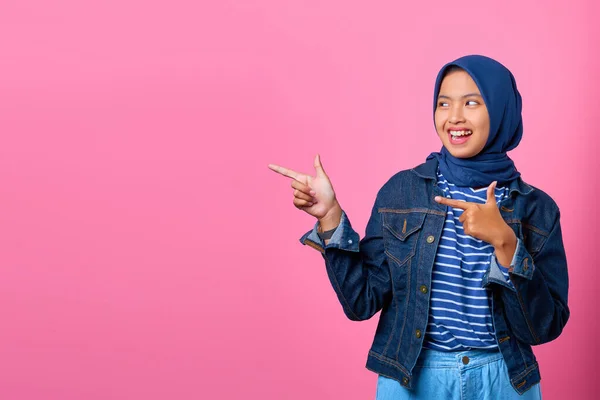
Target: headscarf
{"x": 503, "y": 101}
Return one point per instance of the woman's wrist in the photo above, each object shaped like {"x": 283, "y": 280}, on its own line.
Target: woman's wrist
{"x": 332, "y": 219}
{"x": 505, "y": 248}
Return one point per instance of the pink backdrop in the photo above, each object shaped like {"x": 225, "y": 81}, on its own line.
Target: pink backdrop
{"x": 146, "y": 251}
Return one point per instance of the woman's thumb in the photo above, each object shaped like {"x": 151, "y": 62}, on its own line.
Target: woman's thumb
{"x": 319, "y": 166}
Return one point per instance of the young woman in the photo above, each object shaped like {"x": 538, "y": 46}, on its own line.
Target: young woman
{"x": 464, "y": 259}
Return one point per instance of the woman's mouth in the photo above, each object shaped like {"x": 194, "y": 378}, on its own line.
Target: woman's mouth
{"x": 459, "y": 136}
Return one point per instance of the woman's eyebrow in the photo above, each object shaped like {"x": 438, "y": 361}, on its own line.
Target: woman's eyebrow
{"x": 442, "y": 96}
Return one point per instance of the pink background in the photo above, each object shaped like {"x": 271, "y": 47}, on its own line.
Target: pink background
{"x": 146, "y": 251}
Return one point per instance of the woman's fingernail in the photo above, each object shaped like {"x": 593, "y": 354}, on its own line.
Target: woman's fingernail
{"x": 437, "y": 198}
{"x": 312, "y": 192}
{"x": 309, "y": 204}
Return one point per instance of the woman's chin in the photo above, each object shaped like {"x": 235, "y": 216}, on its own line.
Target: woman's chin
{"x": 461, "y": 153}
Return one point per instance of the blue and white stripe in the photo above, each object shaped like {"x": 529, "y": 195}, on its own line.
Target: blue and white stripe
{"x": 459, "y": 313}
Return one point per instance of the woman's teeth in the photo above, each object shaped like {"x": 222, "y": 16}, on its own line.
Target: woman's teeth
{"x": 460, "y": 133}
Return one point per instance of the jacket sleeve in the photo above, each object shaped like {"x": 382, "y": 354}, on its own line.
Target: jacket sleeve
{"x": 357, "y": 270}
{"x": 536, "y": 302}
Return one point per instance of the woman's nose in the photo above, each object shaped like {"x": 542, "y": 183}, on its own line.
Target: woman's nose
{"x": 456, "y": 115}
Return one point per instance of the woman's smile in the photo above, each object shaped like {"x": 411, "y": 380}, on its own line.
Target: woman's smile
{"x": 458, "y": 136}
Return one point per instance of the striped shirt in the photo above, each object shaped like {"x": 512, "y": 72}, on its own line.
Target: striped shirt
{"x": 459, "y": 313}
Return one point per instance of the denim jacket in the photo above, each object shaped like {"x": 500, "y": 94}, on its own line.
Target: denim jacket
{"x": 390, "y": 270}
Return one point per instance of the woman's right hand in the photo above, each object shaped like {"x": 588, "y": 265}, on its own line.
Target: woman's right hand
{"x": 314, "y": 194}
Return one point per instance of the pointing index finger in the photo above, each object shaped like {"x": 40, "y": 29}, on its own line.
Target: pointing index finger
{"x": 463, "y": 205}
{"x": 285, "y": 171}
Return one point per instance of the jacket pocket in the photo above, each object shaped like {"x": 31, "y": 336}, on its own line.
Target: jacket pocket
{"x": 533, "y": 238}
{"x": 400, "y": 233}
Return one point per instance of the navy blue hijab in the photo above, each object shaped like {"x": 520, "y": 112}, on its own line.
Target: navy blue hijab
{"x": 503, "y": 101}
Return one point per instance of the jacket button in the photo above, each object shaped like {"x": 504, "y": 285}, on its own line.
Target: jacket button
{"x": 418, "y": 333}
{"x": 465, "y": 360}
{"x": 405, "y": 381}
{"x": 423, "y": 289}
{"x": 430, "y": 239}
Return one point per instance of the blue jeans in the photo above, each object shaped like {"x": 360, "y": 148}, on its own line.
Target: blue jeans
{"x": 463, "y": 375}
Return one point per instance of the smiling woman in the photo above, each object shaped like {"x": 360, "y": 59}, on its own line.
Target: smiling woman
{"x": 464, "y": 259}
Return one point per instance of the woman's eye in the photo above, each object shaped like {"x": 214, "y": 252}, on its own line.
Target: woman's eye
{"x": 442, "y": 104}
{"x": 472, "y": 103}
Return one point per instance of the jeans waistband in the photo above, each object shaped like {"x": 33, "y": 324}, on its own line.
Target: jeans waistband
{"x": 457, "y": 359}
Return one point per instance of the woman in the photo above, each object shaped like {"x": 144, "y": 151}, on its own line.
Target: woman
{"x": 463, "y": 258}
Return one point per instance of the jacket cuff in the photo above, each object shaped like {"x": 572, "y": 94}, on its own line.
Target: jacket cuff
{"x": 343, "y": 238}
{"x": 522, "y": 263}
{"x": 501, "y": 275}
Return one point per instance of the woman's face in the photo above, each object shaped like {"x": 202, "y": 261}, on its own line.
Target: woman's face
{"x": 461, "y": 117}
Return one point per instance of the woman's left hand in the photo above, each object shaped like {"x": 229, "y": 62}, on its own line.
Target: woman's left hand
{"x": 484, "y": 222}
